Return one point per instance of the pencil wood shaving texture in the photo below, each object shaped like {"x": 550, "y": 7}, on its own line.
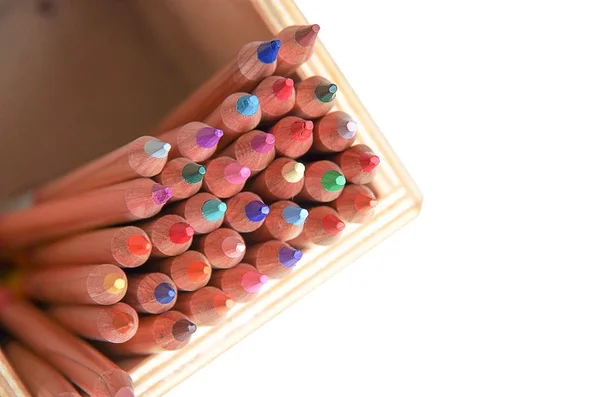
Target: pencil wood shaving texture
{"x": 334, "y": 132}
{"x": 156, "y": 333}
{"x": 274, "y": 258}
{"x": 170, "y": 235}
{"x": 254, "y": 149}
{"x": 255, "y": 61}
{"x": 183, "y": 177}
{"x": 203, "y": 211}
{"x": 78, "y": 361}
{"x": 297, "y": 44}
{"x": 189, "y": 271}
{"x": 89, "y": 284}
{"x": 196, "y": 141}
{"x": 40, "y": 378}
{"x": 356, "y": 204}
{"x": 241, "y": 282}
{"x": 245, "y": 212}
{"x": 207, "y": 306}
{"x": 293, "y": 136}
{"x": 281, "y": 180}
{"x": 240, "y": 112}
{"x": 358, "y": 164}
{"x": 225, "y": 177}
{"x": 116, "y": 323}
{"x": 223, "y": 248}
{"x": 276, "y": 95}
{"x": 126, "y": 246}
{"x": 125, "y": 202}
{"x": 151, "y": 293}
{"x": 284, "y": 222}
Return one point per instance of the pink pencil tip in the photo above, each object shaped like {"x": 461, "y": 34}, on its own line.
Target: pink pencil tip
{"x": 219, "y": 133}
{"x": 236, "y": 173}
{"x": 253, "y": 281}
{"x": 368, "y": 162}
{"x": 270, "y": 139}
{"x": 262, "y": 143}
{"x": 161, "y": 194}
{"x": 263, "y": 279}
{"x": 306, "y": 36}
{"x": 245, "y": 172}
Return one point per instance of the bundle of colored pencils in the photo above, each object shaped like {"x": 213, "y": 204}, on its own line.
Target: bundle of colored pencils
{"x": 138, "y": 248}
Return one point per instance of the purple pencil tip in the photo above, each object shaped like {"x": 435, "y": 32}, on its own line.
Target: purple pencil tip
{"x": 208, "y": 137}
{"x": 288, "y": 257}
{"x": 161, "y": 194}
{"x": 263, "y": 143}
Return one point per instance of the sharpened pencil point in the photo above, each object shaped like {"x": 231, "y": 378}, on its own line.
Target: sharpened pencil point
{"x": 252, "y": 281}
{"x": 283, "y": 88}
{"x": 307, "y": 35}
{"x": 294, "y": 215}
{"x": 222, "y": 303}
{"x": 293, "y": 172}
{"x": 332, "y": 225}
{"x": 236, "y": 173}
{"x": 262, "y": 143}
{"x": 267, "y": 51}
{"x": 208, "y": 137}
{"x": 213, "y": 210}
{"x": 114, "y": 283}
{"x": 138, "y": 245}
{"x": 183, "y": 329}
{"x": 229, "y": 303}
{"x": 362, "y": 202}
{"x": 256, "y": 211}
{"x": 333, "y": 181}
{"x": 157, "y": 149}
{"x": 247, "y": 105}
{"x": 347, "y": 129}
{"x": 164, "y": 293}
{"x": 123, "y": 322}
{"x": 161, "y": 194}
{"x": 197, "y": 271}
{"x": 326, "y": 93}
{"x": 180, "y": 233}
{"x": 233, "y": 247}
{"x": 288, "y": 257}
{"x": 368, "y": 162}
{"x": 119, "y": 283}
{"x": 302, "y": 130}
{"x": 193, "y": 173}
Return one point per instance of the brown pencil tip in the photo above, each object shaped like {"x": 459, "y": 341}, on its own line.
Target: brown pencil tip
{"x": 306, "y": 36}
{"x": 332, "y": 225}
{"x": 123, "y": 322}
{"x": 183, "y": 329}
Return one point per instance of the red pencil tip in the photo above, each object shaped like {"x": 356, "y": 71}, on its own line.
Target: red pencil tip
{"x": 332, "y": 225}
{"x": 368, "y": 162}
{"x": 253, "y": 281}
{"x": 283, "y": 88}
{"x": 180, "y": 233}
{"x": 307, "y": 35}
{"x": 302, "y": 130}
{"x": 222, "y": 303}
{"x": 362, "y": 202}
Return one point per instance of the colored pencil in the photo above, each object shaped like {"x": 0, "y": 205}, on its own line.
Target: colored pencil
{"x": 276, "y": 95}
{"x": 125, "y": 246}
{"x": 116, "y": 323}
{"x": 334, "y": 132}
{"x": 297, "y": 44}
{"x": 170, "y": 235}
{"x": 284, "y": 222}
{"x": 293, "y": 136}
{"x": 86, "y": 285}
{"x": 195, "y": 140}
{"x": 78, "y": 361}
{"x": 241, "y": 283}
{"x": 315, "y": 96}
{"x": 126, "y": 202}
{"x": 254, "y": 149}
{"x": 144, "y": 157}
{"x": 323, "y": 227}
{"x": 358, "y": 164}
{"x": 246, "y": 212}
{"x": 183, "y": 176}
{"x": 281, "y": 180}
{"x": 40, "y": 378}
{"x": 323, "y": 182}
{"x": 203, "y": 211}
{"x": 225, "y": 177}
{"x": 274, "y": 258}
{"x": 223, "y": 248}
{"x": 207, "y": 306}
{"x": 189, "y": 271}
{"x": 356, "y": 204}
{"x": 255, "y": 61}
{"x": 151, "y": 293}
{"x": 157, "y": 333}
{"x": 240, "y": 112}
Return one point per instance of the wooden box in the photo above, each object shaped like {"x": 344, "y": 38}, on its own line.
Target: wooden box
{"x": 80, "y": 77}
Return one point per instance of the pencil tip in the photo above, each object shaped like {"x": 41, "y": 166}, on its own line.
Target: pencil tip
{"x": 306, "y": 36}
{"x": 193, "y": 173}
{"x": 222, "y": 303}
{"x": 247, "y": 105}
{"x": 362, "y": 202}
{"x": 236, "y": 173}
{"x": 157, "y": 149}
{"x": 252, "y": 281}
{"x": 368, "y": 162}
{"x": 180, "y": 233}
{"x": 119, "y": 284}
{"x": 302, "y": 130}
{"x": 208, "y": 137}
{"x": 283, "y": 88}
{"x": 262, "y": 143}
{"x": 197, "y": 271}
{"x": 326, "y": 93}
{"x": 213, "y": 209}
{"x": 294, "y": 215}
{"x": 183, "y": 329}
{"x": 288, "y": 257}
{"x": 123, "y": 322}
{"x": 164, "y": 293}
{"x": 332, "y": 225}
{"x": 138, "y": 245}
{"x": 267, "y": 51}
{"x": 161, "y": 194}
{"x": 293, "y": 172}
{"x": 256, "y": 211}
{"x": 229, "y": 303}
{"x": 233, "y": 247}
{"x": 333, "y": 181}
{"x": 347, "y": 129}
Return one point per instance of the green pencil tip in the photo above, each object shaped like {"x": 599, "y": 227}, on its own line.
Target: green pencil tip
{"x": 333, "y": 181}
{"x": 193, "y": 173}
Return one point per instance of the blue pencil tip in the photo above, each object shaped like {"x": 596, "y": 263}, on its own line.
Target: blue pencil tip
{"x": 164, "y": 293}
{"x": 256, "y": 211}
{"x": 247, "y": 105}
{"x": 267, "y": 51}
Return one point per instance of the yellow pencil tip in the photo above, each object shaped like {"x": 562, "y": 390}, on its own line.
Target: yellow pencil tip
{"x": 119, "y": 283}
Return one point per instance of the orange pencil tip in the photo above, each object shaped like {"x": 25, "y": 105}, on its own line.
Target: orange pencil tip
{"x": 139, "y": 245}
{"x": 333, "y": 225}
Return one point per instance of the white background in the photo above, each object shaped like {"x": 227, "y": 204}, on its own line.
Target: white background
{"x": 494, "y": 108}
